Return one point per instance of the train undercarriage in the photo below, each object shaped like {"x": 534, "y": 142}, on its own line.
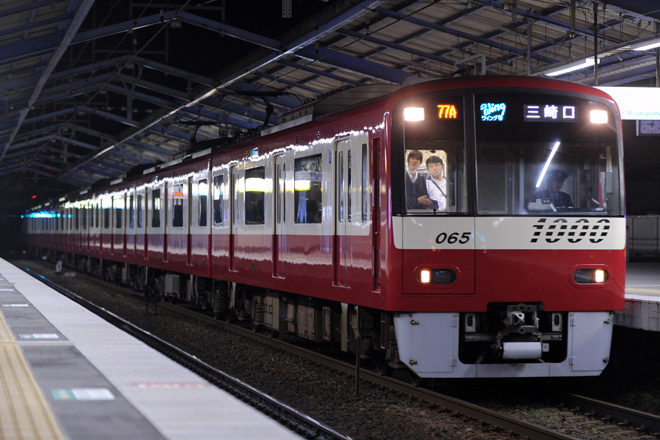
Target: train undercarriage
{"x": 505, "y": 334}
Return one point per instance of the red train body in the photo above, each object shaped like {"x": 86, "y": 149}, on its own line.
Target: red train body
{"x": 311, "y": 229}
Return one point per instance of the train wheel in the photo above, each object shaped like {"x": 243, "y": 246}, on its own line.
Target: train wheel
{"x": 382, "y": 365}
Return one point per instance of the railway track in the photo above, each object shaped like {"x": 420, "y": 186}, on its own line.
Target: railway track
{"x": 287, "y": 415}
{"x": 643, "y": 422}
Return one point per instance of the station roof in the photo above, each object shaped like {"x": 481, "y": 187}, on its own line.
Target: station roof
{"x": 90, "y": 90}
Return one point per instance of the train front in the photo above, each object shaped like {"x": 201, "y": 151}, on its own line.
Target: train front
{"x": 509, "y": 218}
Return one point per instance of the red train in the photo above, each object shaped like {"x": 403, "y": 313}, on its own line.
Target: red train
{"x": 470, "y": 227}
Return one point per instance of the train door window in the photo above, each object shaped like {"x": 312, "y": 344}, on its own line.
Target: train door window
{"x": 76, "y": 217}
{"x": 255, "y": 190}
{"x": 202, "y": 202}
{"x": 340, "y": 185}
{"x": 177, "y": 205}
{"x": 118, "y": 203}
{"x": 83, "y": 214}
{"x": 365, "y": 183}
{"x": 350, "y": 188}
{"x": 131, "y": 211}
{"x": 308, "y": 179}
{"x": 218, "y": 196}
{"x": 155, "y": 208}
{"x": 433, "y": 159}
{"x": 139, "y": 211}
{"x": 280, "y": 191}
{"x": 106, "y": 204}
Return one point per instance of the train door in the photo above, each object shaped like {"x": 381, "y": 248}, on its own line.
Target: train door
{"x": 188, "y": 223}
{"x": 279, "y": 212}
{"x": 342, "y": 179}
{"x": 233, "y": 214}
{"x": 377, "y": 197}
{"x": 165, "y": 196}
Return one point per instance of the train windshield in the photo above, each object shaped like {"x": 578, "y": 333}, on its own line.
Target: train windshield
{"x": 546, "y": 154}
{"x": 434, "y": 155}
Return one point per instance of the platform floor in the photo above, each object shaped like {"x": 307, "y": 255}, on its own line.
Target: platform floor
{"x": 67, "y": 374}
{"x": 642, "y": 309}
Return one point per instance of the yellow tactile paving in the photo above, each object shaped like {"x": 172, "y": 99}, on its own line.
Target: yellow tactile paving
{"x": 24, "y": 413}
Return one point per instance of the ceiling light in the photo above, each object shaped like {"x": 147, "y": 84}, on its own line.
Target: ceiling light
{"x": 571, "y": 67}
{"x": 646, "y": 45}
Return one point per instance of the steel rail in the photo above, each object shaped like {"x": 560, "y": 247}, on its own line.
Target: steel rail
{"x": 285, "y": 414}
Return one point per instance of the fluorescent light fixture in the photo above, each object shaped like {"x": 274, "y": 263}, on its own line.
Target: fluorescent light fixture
{"x": 547, "y": 163}
{"x": 571, "y": 67}
{"x": 647, "y": 45}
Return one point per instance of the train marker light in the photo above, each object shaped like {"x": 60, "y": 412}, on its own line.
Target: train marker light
{"x": 598, "y": 116}
{"x": 424, "y": 276}
{"x": 413, "y": 114}
{"x": 591, "y": 276}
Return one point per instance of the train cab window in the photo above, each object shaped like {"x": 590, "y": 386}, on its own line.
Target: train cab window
{"x": 218, "y": 197}
{"x": 541, "y": 154}
{"x": 430, "y": 128}
{"x": 202, "y": 202}
{"x": 255, "y": 189}
{"x": 155, "y": 208}
{"x": 308, "y": 179}
{"x": 177, "y": 205}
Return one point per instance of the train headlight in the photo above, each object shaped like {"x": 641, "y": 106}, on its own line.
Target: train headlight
{"x": 598, "y": 117}
{"x": 591, "y": 276}
{"x": 436, "y": 276}
{"x": 413, "y": 114}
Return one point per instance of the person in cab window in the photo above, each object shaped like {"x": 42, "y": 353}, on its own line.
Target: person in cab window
{"x": 555, "y": 181}
{"x": 436, "y": 184}
{"x": 416, "y": 193}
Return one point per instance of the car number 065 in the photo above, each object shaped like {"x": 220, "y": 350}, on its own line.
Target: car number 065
{"x": 452, "y": 238}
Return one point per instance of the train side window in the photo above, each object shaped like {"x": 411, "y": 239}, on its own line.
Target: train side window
{"x": 255, "y": 189}
{"x": 202, "y": 202}
{"x": 308, "y": 179}
{"x": 177, "y": 206}
{"x": 155, "y": 208}
{"x": 218, "y": 196}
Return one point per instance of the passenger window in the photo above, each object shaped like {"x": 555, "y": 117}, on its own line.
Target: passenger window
{"x": 308, "y": 178}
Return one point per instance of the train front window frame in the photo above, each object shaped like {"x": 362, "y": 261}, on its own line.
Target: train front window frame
{"x": 541, "y": 154}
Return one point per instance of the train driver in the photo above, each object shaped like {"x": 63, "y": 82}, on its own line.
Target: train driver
{"x": 416, "y": 193}
{"x": 436, "y": 184}
{"x": 555, "y": 180}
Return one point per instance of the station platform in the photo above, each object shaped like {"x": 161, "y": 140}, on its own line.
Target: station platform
{"x": 642, "y": 309}
{"x": 67, "y": 374}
